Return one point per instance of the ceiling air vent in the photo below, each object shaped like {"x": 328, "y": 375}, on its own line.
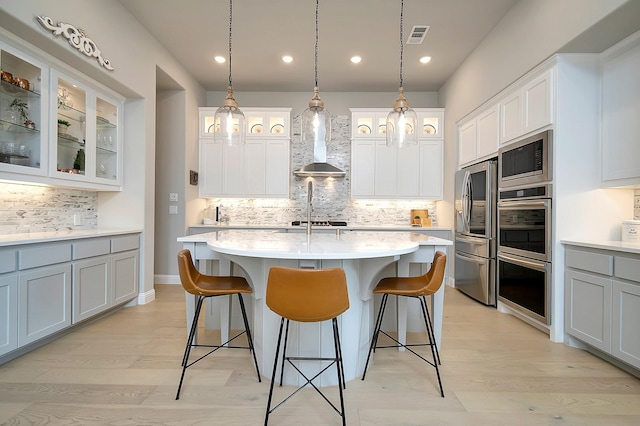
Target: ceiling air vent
{"x": 418, "y": 33}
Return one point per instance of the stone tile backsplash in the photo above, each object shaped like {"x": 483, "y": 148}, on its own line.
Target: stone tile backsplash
{"x": 636, "y": 205}
{"x": 26, "y": 208}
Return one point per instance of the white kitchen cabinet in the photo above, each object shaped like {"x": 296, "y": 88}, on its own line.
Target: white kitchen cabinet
{"x": 527, "y": 107}
{"x": 381, "y": 172}
{"x": 620, "y": 112}
{"x": 85, "y": 152}
{"x": 88, "y": 129}
{"x": 260, "y": 168}
{"x": 23, "y": 114}
{"x": 363, "y": 155}
{"x": 478, "y": 136}
{"x": 8, "y": 312}
{"x": 91, "y": 287}
{"x": 602, "y": 301}
{"x": 44, "y": 302}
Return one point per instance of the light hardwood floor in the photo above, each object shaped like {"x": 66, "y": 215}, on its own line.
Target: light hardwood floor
{"x": 496, "y": 370}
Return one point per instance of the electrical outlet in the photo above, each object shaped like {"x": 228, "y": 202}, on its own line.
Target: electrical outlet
{"x": 173, "y": 209}
{"x": 78, "y": 219}
{"x": 173, "y": 196}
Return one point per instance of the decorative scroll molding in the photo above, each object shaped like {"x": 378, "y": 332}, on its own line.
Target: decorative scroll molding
{"x": 76, "y": 38}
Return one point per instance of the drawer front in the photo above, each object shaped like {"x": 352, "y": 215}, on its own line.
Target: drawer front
{"x": 125, "y": 243}
{"x": 83, "y": 249}
{"x": 7, "y": 260}
{"x": 598, "y": 263}
{"x": 628, "y": 268}
{"x": 42, "y": 256}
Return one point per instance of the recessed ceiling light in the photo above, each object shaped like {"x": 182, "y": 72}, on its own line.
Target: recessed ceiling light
{"x": 425, "y": 59}
{"x": 356, "y": 59}
{"x": 287, "y": 59}
{"x": 220, "y": 59}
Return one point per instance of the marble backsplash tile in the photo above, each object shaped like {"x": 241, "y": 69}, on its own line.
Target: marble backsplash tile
{"x": 26, "y": 208}
{"x": 636, "y": 205}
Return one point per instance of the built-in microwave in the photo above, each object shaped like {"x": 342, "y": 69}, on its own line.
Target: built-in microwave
{"x": 526, "y": 162}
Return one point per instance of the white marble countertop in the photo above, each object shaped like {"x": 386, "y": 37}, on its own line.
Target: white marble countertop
{"x": 43, "y": 237}
{"x": 319, "y": 245}
{"x": 620, "y": 246}
{"x": 349, "y": 227}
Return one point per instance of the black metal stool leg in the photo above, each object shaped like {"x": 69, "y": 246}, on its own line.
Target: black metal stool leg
{"x": 432, "y": 336}
{"x": 336, "y": 344}
{"x": 432, "y": 343}
{"x": 376, "y": 330}
{"x": 284, "y": 351}
{"x": 273, "y": 375}
{"x": 249, "y": 337}
{"x": 344, "y": 382}
{"x": 192, "y": 335}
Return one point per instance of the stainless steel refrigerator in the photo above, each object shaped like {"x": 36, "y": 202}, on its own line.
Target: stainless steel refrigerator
{"x": 475, "y": 231}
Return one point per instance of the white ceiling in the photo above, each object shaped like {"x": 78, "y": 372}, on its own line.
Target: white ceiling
{"x": 195, "y": 31}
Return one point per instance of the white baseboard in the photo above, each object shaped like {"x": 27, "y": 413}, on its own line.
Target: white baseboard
{"x": 146, "y": 297}
{"x": 166, "y": 279}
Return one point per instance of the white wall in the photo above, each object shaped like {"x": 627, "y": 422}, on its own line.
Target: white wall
{"x": 135, "y": 55}
{"x": 528, "y": 34}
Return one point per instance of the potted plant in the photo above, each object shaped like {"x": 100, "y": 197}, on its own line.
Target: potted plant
{"x": 62, "y": 126}
{"x": 23, "y": 109}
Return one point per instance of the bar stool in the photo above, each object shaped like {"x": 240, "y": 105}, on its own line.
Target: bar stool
{"x": 307, "y": 295}
{"x": 419, "y": 288}
{"x": 204, "y": 286}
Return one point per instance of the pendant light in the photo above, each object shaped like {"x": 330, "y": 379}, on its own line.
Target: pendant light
{"x": 229, "y": 120}
{"x": 315, "y": 121}
{"x": 401, "y": 122}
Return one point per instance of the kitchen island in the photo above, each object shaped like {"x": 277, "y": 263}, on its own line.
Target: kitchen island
{"x": 363, "y": 255}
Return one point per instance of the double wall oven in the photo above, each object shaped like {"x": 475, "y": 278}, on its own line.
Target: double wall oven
{"x": 525, "y": 227}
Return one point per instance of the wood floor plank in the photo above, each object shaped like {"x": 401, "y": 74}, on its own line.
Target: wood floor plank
{"x": 496, "y": 370}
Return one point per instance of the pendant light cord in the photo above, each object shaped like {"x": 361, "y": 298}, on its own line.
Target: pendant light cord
{"x": 230, "y": 21}
{"x": 316, "y": 49}
{"x": 401, "y": 37}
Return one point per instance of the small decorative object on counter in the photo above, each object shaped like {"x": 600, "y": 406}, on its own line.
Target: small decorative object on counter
{"x": 631, "y": 231}
{"x": 6, "y": 76}
{"x": 210, "y": 215}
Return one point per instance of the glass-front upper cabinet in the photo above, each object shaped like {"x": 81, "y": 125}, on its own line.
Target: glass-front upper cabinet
{"x": 23, "y": 129}
{"x": 88, "y": 138}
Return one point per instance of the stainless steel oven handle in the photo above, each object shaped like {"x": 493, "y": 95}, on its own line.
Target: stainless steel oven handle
{"x": 524, "y": 204}
{"x": 471, "y": 259}
{"x": 532, "y": 264}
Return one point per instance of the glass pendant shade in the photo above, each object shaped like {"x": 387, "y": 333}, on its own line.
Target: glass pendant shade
{"x": 315, "y": 122}
{"x": 229, "y": 122}
{"x": 401, "y": 124}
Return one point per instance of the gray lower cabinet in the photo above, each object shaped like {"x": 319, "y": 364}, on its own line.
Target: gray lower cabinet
{"x": 602, "y": 301}
{"x": 125, "y": 268}
{"x": 625, "y": 339}
{"x": 91, "y": 287}
{"x": 8, "y": 312}
{"x": 44, "y": 302}
{"x": 49, "y": 286}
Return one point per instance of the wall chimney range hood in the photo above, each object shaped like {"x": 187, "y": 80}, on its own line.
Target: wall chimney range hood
{"x": 319, "y": 167}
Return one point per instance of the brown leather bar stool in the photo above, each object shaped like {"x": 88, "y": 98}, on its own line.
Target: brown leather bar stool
{"x": 307, "y": 295}
{"x": 204, "y": 286}
{"x": 419, "y": 288}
